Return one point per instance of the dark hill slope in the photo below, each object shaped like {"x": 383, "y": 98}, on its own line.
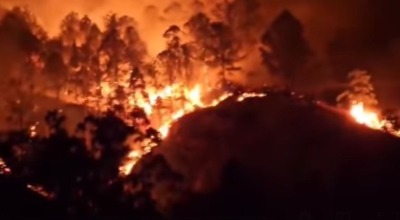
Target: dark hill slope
{"x": 18, "y": 202}
{"x": 276, "y": 156}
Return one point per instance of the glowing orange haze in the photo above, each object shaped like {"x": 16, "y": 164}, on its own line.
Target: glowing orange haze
{"x": 153, "y": 16}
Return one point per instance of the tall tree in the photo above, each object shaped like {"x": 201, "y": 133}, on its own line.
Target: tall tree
{"x": 112, "y": 47}
{"x": 91, "y": 56}
{"x": 25, "y": 14}
{"x": 56, "y": 72}
{"x": 171, "y": 59}
{"x": 360, "y": 90}
{"x": 71, "y": 29}
{"x": 16, "y": 31}
{"x": 244, "y": 17}
{"x": 135, "y": 47}
{"x": 288, "y": 52}
{"x": 18, "y": 44}
{"x": 214, "y": 44}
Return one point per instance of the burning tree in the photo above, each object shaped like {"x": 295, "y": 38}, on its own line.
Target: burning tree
{"x": 360, "y": 90}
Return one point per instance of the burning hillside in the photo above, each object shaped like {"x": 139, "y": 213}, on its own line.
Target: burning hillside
{"x": 280, "y": 153}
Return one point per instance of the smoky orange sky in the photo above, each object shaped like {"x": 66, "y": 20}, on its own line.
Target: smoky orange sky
{"x": 153, "y": 16}
{"x": 320, "y": 18}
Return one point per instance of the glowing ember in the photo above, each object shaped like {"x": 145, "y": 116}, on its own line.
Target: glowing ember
{"x": 4, "y": 169}
{"x": 249, "y": 95}
{"x": 41, "y": 191}
{"x": 32, "y": 130}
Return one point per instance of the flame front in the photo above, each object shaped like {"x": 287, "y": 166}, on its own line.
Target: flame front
{"x": 192, "y": 101}
{"x": 184, "y": 100}
{"x": 365, "y": 117}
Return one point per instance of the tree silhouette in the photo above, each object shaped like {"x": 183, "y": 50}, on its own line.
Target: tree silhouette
{"x": 214, "y": 44}
{"x": 243, "y": 16}
{"x": 70, "y": 29}
{"x": 56, "y": 72}
{"x": 174, "y": 60}
{"x": 112, "y": 46}
{"x": 360, "y": 90}
{"x": 286, "y": 51}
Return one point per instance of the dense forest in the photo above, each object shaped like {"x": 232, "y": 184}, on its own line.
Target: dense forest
{"x": 102, "y": 64}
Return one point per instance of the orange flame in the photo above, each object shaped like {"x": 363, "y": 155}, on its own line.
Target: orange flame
{"x": 365, "y": 117}
{"x": 371, "y": 119}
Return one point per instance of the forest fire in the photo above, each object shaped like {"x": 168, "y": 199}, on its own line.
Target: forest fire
{"x": 89, "y": 110}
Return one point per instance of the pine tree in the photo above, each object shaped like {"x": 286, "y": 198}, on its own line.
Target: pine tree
{"x": 56, "y": 72}
{"x": 70, "y": 29}
{"x": 287, "y": 52}
{"x": 169, "y": 60}
{"x": 215, "y": 45}
{"x": 244, "y": 17}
